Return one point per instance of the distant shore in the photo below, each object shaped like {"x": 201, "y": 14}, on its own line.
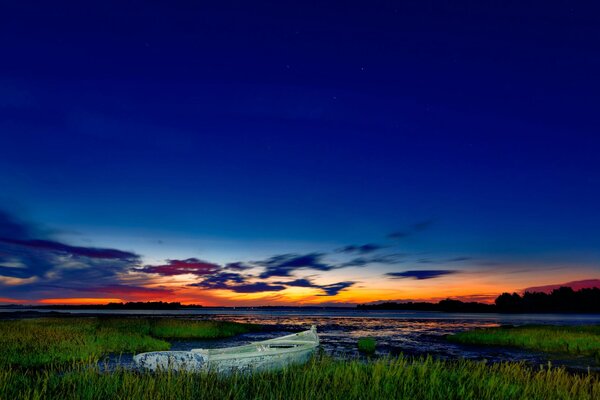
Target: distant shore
{"x": 563, "y": 300}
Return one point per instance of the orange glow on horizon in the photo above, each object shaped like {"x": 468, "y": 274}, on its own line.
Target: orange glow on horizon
{"x": 466, "y": 287}
{"x": 7, "y": 300}
{"x": 80, "y": 301}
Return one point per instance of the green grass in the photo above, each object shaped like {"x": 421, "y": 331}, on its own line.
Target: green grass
{"x": 323, "y": 378}
{"x": 575, "y": 340}
{"x": 45, "y": 341}
{"x": 68, "y": 348}
{"x": 367, "y": 345}
{"x": 189, "y": 329}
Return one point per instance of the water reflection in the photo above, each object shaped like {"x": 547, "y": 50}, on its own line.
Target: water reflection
{"x": 416, "y": 334}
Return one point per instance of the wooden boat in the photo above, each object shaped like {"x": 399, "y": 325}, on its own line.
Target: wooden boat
{"x": 267, "y": 355}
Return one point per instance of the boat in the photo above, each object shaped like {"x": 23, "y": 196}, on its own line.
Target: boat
{"x": 267, "y": 355}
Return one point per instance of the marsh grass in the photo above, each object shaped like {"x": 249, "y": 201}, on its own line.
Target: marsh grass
{"x": 322, "y": 377}
{"x": 44, "y": 341}
{"x": 575, "y": 340}
{"x": 367, "y": 345}
{"x": 190, "y": 329}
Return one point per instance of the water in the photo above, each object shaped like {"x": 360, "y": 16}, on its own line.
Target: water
{"x": 408, "y": 332}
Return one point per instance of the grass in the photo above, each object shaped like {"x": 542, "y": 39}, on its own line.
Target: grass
{"x": 366, "y": 345}
{"x": 574, "y": 340}
{"x": 68, "y": 349}
{"x": 323, "y": 378}
{"x": 44, "y": 341}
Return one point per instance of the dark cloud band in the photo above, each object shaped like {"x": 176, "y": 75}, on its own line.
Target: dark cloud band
{"x": 421, "y": 274}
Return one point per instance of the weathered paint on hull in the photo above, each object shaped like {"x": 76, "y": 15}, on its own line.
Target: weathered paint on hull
{"x": 171, "y": 360}
{"x": 271, "y": 362}
{"x": 196, "y": 362}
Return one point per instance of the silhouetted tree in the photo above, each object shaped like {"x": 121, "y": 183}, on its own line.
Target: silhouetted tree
{"x": 561, "y": 300}
{"x": 507, "y": 302}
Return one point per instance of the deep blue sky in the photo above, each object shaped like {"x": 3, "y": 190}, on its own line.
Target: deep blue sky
{"x": 312, "y": 124}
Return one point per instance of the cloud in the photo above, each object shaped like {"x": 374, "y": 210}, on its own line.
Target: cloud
{"x": 301, "y": 282}
{"x": 329, "y": 290}
{"x": 229, "y": 277}
{"x": 13, "y": 272}
{"x": 221, "y": 280}
{"x": 389, "y": 259}
{"x": 57, "y": 247}
{"x": 412, "y": 229}
{"x": 237, "y": 283}
{"x": 361, "y": 249}
{"x": 24, "y": 255}
{"x": 286, "y": 264}
{"x": 421, "y": 274}
{"x": 124, "y": 291}
{"x": 181, "y": 267}
{"x": 335, "y": 288}
{"x": 459, "y": 259}
{"x": 257, "y": 287}
{"x": 238, "y": 266}
{"x": 32, "y": 263}
{"x": 244, "y": 284}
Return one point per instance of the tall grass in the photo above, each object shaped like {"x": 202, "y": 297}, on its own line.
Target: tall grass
{"x": 577, "y": 340}
{"x": 366, "y": 345}
{"x": 190, "y": 329}
{"x": 323, "y": 378}
{"x": 43, "y": 341}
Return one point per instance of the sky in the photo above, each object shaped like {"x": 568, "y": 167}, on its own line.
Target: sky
{"x": 269, "y": 153}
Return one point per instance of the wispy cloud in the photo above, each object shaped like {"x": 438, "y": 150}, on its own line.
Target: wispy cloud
{"x": 459, "y": 259}
{"x": 57, "y": 247}
{"x": 421, "y": 274}
{"x": 389, "y": 259}
{"x": 238, "y": 266}
{"x": 248, "y": 284}
{"x": 334, "y": 288}
{"x": 361, "y": 249}
{"x": 237, "y": 283}
{"x": 329, "y": 290}
{"x": 180, "y": 267}
{"x": 286, "y": 264}
{"x": 31, "y": 262}
{"x": 412, "y": 229}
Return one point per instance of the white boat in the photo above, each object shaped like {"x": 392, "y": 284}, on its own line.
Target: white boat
{"x": 267, "y": 355}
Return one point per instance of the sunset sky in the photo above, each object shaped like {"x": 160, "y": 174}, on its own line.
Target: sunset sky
{"x": 243, "y": 154}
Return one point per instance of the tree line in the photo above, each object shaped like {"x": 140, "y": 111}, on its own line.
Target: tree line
{"x": 561, "y": 300}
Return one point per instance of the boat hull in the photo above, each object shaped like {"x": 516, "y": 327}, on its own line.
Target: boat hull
{"x": 269, "y": 355}
{"x": 260, "y": 363}
{"x": 172, "y": 360}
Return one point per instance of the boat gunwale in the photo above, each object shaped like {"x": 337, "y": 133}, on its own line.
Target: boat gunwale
{"x": 225, "y": 353}
{"x": 221, "y": 357}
